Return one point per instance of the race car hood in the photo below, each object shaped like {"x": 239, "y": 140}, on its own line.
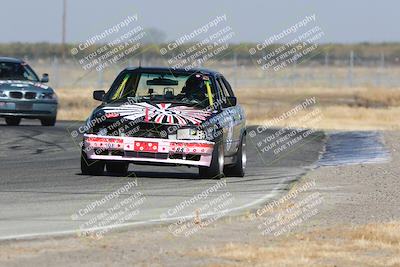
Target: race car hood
{"x": 162, "y": 113}
{"x": 23, "y": 85}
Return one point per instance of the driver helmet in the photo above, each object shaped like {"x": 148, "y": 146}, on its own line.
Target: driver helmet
{"x": 195, "y": 87}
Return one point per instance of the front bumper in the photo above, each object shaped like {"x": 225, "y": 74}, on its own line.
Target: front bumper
{"x": 150, "y": 150}
{"x": 28, "y": 109}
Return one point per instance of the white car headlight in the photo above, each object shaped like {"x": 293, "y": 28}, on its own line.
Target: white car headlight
{"x": 50, "y": 96}
{"x": 190, "y": 134}
{"x": 102, "y": 132}
{"x": 3, "y": 94}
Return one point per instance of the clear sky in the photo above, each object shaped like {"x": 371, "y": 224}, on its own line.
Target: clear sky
{"x": 344, "y": 21}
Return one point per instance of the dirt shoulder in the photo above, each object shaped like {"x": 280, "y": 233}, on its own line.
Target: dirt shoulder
{"x": 349, "y": 217}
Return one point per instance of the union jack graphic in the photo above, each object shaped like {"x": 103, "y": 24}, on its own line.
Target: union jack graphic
{"x": 161, "y": 113}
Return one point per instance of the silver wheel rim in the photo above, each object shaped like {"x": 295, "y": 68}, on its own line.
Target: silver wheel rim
{"x": 244, "y": 155}
{"x": 221, "y": 159}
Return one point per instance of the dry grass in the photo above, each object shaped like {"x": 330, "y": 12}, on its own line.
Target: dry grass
{"x": 370, "y": 97}
{"x": 336, "y": 118}
{"x": 367, "y": 245}
{"x": 75, "y": 104}
{"x": 341, "y": 108}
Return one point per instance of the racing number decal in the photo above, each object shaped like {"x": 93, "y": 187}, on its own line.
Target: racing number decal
{"x": 179, "y": 150}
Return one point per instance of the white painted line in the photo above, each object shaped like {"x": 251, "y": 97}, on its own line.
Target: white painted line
{"x": 272, "y": 194}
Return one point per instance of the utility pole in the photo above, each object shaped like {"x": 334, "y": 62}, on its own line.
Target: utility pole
{"x": 64, "y": 29}
{"x": 326, "y": 59}
{"x": 235, "y": 70}
{"x": 351, "y": 68}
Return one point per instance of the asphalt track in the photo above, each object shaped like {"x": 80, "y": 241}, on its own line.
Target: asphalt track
{"x": 42, "y": 192}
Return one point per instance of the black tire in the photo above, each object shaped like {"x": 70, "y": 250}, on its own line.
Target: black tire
{"x": 239, "y": 168}
{"x": 48, "y": 121}
{"x": 13, "y": 121}
{"x": 119, "y": 168}
{"x": 91, "y": 167}
{"x": 216, "y": 169}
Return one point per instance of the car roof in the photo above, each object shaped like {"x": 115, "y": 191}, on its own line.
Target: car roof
{"x": 10, "y": 59}
{"x": 176, "y": 70}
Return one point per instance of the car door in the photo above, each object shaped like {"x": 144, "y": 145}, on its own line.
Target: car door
{"x": 240, "y": 118}
{"x": 232, "y": 129}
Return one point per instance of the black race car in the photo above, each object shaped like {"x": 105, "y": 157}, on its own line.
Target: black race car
{"x": 161, "y": 116}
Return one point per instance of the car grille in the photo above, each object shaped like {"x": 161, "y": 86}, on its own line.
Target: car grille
{"x": 193, "y": 157}
{"x": 30, "y": 95}
{"x": 107, "y": 152}
{"x": 151, "y": 130}
{"x": 147, "y": 155}
{"x": 127, "y": 128}
{"x": 17, "y": 95}
{"x": 20, "y": 95}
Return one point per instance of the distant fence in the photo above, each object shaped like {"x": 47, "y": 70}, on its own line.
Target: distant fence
{"x": 329, "y": 65}
{"x": 69, "y": 74}
{"x": 363, "y": 54}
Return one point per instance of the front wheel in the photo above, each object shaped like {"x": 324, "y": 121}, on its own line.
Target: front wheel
{"x": 239, "y": 168}
{"x": 91, "y": 167}
{"x": 119, "y": 168}
{"x": 48, "y": 121}
{"x": 216, "y": 169}
{"x": 13, "y": 121}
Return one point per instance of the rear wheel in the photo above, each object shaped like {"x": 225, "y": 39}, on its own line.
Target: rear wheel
{"x": 48, "y": 121}
{"x": 91, "y": 167}
{"x": 216, "y": 168}
{"x": 238, "y": 170}
{"x": 13, "y": 121}
{"x": 120, "y": 168}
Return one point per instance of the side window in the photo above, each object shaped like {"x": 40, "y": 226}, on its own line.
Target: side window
{"x": 227, "y": 86}
{"x": 125, "y": 85}
{"x": 223, "y": 91}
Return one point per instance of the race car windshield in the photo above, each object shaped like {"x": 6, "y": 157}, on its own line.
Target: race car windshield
{"x": 195, "y": 89}
{"x": 17, "y": 71}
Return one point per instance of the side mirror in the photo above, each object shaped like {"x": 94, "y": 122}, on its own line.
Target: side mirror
{"x": 230, "y": 101}
{"x": 45, "y": 78}
{"x": 99, "y": 95}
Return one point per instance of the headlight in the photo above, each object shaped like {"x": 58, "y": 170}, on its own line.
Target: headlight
{"x": 190, "y": 134}
{"x": 50, "y": 96}
{"x": 2, "y": 94}
{"x": 102, "y": 132}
